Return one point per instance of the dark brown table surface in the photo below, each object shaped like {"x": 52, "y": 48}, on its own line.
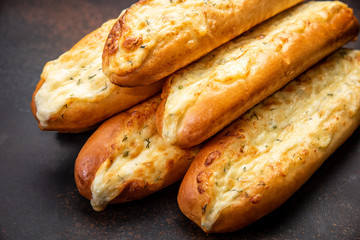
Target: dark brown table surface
{"x": 38, "y": 196}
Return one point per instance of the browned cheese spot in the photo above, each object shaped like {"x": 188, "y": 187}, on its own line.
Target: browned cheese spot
{"x": 212, "y": 156}
{"x": 199, "y": 177}
{"x": 256, "y": 199}
{"x": 200, "y": 189}
{"x": 112, "y": 41}
{"x": 130, "y": 42}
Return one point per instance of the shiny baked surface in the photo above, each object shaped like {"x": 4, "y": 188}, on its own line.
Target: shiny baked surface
{"x": 280, "y": 142}
{"x": 42, "y": 194}
{"x": 155, "y": 38}
{"x": 243, "y": 69}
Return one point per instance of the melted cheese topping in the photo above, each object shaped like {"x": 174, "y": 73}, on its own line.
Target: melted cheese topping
{"x": 75, "y": 76}
{"x": 153, "y": 22}
{"x": 303, "y": 115}
{"x": 142, "y": 155}
{"x": 233, "y": 62}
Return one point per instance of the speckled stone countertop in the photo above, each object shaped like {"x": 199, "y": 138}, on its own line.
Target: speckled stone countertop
{"x": 38, "y": 196}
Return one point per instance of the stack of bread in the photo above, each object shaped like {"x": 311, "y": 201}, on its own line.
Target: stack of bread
{"x": 224, "y": 69}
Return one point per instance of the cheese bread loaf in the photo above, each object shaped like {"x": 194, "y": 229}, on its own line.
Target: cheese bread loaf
{"x": 260, "y": 160}
{"x": 202, "y": 98}
{"x": 126, "y": 159}
{"x": 157, "y": 37}
{"x": 74, "y": 95}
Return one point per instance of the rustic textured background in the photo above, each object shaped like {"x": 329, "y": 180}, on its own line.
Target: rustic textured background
{"x": 38, "y": 195}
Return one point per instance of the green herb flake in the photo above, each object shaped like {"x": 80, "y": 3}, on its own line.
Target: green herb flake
{"x": 204, "y": 208}
{"x": 126, "y": 154}
{"x": 125, "y": 138}
{"x": 105, "y": 87}
{"x": 274, "y": 126}
{"x": 171, "y": 81}
{"x": 66, "y": 106}
{"x": 143, "y": 46}
{"x": 244, "y": 169}
{"x": 242, "y": 148}
{"x": 330, "y": 94}
{"x": 180, "y": 87}
{"x": 78, "y": 82}
{"x": 227, "y": 166}
{"x": 71, "y": 78}
{"x": 91, "y": 77}
{"x": 254, "y": 115}
{"x": 158, "y": 178}
{"x": 261, "y": 183}
{"x": 147, "y": 21}
{"x": 147, "y": 143}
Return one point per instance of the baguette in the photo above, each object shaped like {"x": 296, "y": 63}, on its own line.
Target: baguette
{"x": 201, "y": 99}
{"x": 74, "y": 95}
{"x": 126, "y": 159}
{"x": 259, "y": 161}
{"x": 154, "y": 38}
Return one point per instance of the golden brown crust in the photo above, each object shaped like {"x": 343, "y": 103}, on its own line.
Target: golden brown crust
{"x": 218, "y": 105}
{"x": 272, "y": 182}
{"x": 177, "y": 43}
{"x": 108, "y": 139}
{"x": 95, "y": 99}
